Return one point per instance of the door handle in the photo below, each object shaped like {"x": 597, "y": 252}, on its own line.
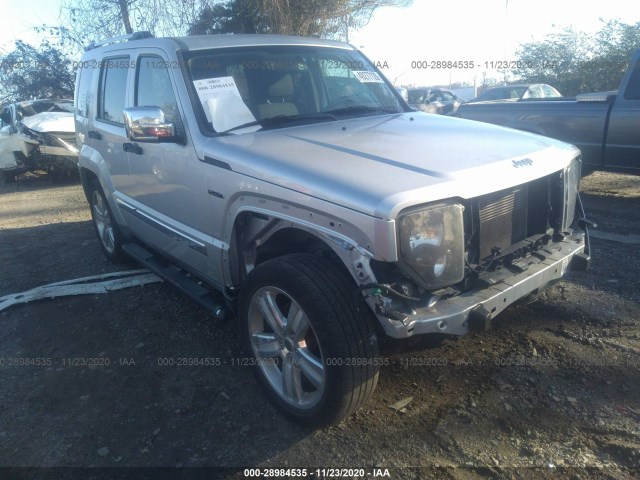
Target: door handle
{"x": 94, "y": 134}
{"x": 132, "y": 148}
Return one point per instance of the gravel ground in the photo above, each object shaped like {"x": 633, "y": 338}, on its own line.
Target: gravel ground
{"x": 551, "y": 391}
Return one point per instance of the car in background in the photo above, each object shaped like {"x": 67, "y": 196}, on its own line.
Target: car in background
{"x": 434, "y": 100}
{"x": 603, "y": 125}
{"x": 518, "y": 92}
{"x": 404, "y": 93}
{"x": 38, "y": 135}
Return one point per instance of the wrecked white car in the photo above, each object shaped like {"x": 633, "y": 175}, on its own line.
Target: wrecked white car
{"x": 38, "y": 135}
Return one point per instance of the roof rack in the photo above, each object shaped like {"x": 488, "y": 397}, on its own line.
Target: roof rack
{"x": 121, "y": 38}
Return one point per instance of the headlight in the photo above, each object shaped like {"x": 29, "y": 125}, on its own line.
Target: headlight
{"x": 432, "y": 245}
{"x": 572, "y": 176}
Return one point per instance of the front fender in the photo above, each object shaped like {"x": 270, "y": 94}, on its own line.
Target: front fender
{"x": 351, "y": 243}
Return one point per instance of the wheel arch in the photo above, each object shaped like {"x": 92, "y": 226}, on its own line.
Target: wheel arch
{"x": 92, "y": 167}
{"x": 86, "y": 178}
{"x": 258, "y": 236}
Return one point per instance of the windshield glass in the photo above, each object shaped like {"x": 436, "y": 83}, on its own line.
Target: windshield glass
{"x": 275, "y": 86}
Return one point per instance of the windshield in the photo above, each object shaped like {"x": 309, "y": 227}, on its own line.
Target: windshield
{"x": 275, "y": 86}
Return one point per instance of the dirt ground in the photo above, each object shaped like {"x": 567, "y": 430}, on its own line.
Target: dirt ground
{"x": 550, "y": 392}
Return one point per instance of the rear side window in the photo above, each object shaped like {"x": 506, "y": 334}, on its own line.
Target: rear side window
{"x": 83, "y": 95}
{"x": 533, "y": 92}
{"x": 113, "y": 87}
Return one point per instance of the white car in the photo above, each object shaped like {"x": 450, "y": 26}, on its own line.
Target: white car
{"x": 38, "y": 135}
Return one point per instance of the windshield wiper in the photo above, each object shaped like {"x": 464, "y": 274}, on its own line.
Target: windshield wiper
{"x": 283, "y": 119}
{"x": 355, "y": 109}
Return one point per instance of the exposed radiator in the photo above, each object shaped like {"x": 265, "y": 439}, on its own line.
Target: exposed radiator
{"x": 503, "y": 219}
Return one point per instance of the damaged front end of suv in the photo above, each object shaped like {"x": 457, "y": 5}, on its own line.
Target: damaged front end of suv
{"x": 463, "y": 261}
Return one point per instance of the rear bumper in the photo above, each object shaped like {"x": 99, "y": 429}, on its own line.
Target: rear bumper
{"x": 453, "y": 316}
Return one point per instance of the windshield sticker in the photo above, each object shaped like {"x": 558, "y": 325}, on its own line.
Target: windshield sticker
{"x": 367, "y": 77}
{"x": 222, "y": 103}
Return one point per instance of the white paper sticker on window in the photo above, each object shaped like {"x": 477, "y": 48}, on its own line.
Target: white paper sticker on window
{"x": 367, "y": 77}
{"x": 222, "y": 103}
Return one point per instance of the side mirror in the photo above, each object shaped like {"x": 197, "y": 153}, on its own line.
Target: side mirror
{"x": 147, "y": 124}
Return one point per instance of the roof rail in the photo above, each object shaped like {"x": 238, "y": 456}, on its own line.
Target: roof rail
{"x": 121, "y": 38}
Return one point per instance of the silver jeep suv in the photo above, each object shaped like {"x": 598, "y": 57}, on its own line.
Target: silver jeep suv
{"x": 283, "y": 180}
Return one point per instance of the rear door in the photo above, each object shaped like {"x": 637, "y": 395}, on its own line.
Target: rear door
{"x": 107, "y": 134}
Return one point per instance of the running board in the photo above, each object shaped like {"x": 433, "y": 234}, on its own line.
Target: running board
{"x": 209, "y": 299}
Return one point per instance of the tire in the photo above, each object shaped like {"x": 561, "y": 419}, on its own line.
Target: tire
{"x": 314, "y": 352}
{"x": 109, "y": 235}
{"x": 9, "y": 177}
{"x": 56, "y": 175}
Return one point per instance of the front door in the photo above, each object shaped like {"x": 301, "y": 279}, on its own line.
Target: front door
{"x": 166, "y": 190}
{"x": 623, "y": 136}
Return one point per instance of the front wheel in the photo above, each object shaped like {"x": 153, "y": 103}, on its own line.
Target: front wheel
{"x": 9, "y": 177}
{"x": 313, "y": 351}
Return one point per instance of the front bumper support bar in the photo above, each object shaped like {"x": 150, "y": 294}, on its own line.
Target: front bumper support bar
{"x": 452, "y": 316}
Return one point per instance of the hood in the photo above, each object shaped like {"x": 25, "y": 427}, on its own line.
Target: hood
{"x": 381, "y": 165}
{"x": 50, "y": 122}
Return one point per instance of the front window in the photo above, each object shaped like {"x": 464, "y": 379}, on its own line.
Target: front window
{"x": 113, "y": 87}
{"x": 277, "y": 86}
{"x": 154, "y": 88}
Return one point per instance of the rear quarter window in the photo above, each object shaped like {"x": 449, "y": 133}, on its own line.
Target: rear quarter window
{"x": 84, "y": 93}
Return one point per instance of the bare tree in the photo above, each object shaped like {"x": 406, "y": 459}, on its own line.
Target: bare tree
{"x": 322, "y": 17}
{"x": 318, "y": 18}
{"x": 576, "y": 62}
{"x": 236, "y": 16}
{"x": 84, "y": 21}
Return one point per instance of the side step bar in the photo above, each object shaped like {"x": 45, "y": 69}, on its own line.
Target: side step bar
{"x": 209, "y": 299}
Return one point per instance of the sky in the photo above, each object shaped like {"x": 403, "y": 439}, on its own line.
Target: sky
{"x": 476, "y": 31}
{"x": 19, "y": 17}
{"x": 479, "y": 31}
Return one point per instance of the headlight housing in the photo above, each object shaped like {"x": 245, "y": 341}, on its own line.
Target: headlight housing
{"x": 432, "y": 245}
{"x": 572, "y": 175}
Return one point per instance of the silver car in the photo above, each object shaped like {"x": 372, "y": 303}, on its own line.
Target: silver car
{"x": 283, "y": 181}
{"x": 514, "y": 93}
